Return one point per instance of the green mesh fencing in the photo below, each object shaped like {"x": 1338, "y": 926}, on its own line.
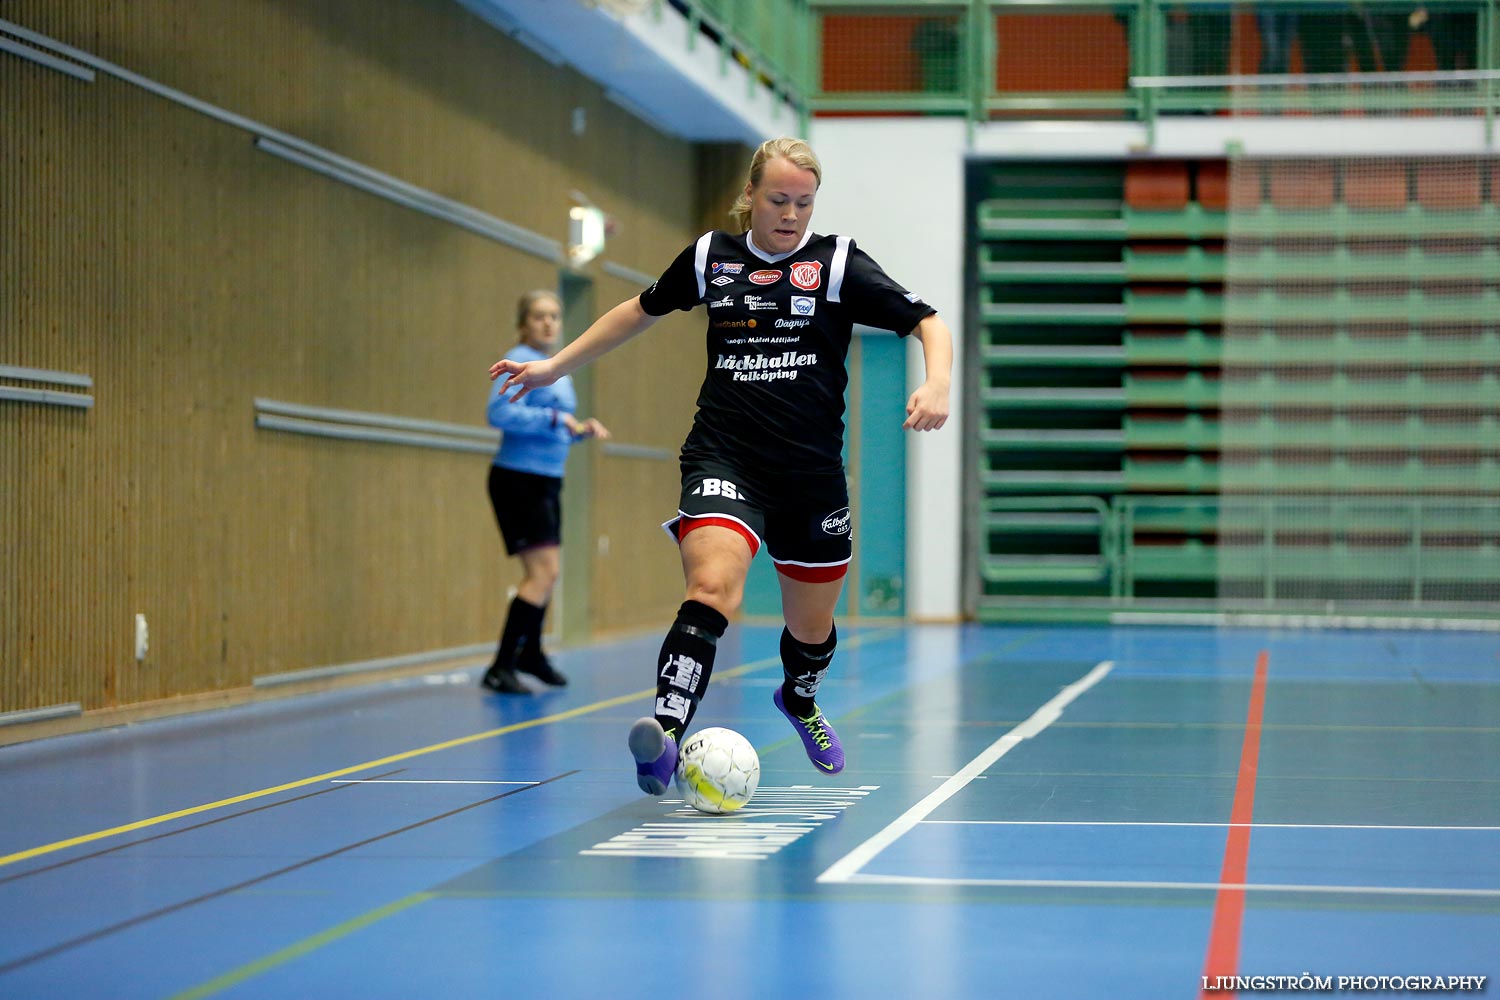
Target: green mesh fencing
{"x": 1358, "y": 418}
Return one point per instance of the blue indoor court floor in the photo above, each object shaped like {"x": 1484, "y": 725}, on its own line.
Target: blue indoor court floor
{"x": 1040, "y": 811}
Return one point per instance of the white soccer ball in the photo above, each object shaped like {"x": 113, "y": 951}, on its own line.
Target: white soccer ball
{"x": 717, "y": 770}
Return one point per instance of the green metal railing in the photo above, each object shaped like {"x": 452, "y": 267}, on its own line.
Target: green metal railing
{"x": 1262, "y": 549}
{"x": 1123, "y": 59}
{"x": 775, "y": 40}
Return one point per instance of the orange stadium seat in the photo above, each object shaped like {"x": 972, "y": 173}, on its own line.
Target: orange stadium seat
{"x": 1449, "y": 184}
{"x": 1300, "y": 185}
{"x": 1156, "y": 185}
{"x": 1214, "y": 185}
{"x": 1375, "y": 185}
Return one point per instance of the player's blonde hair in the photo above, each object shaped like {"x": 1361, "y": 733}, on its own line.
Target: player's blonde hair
{"x": 787, "y": 148}
{"x": 531, "y": 298}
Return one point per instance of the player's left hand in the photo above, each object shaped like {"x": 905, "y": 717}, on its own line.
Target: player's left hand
{"x": 927, "y": 409}
{"x": 590, "y": 428}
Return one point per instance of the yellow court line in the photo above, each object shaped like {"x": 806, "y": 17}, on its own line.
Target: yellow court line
{"x": 307, "y": 945}
{"x": 572, "y": 713}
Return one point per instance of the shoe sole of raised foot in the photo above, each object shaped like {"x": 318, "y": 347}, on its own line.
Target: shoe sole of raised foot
{"x": 647, "y": 741}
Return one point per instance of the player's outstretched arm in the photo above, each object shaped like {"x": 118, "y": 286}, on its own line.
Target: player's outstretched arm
{"x": 927, "y": 409}
{"x": 607, "y": 332}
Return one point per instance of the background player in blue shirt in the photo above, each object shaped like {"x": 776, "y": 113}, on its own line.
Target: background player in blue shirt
{"x": 762, "y": 464}
{"x": 525, "y": 484}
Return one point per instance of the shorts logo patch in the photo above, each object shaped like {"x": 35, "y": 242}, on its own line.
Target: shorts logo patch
{"x": 837, "y": 523}
{"x": 807, "y": 274}
{"x": 765, "y": 277}
{"x": 720, "y": 488}
{"x": 804, "y": 305}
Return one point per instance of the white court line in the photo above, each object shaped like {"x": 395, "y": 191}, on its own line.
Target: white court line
{"x": 1047, "y": 883}
{"x": 1220, "y": 826}
{"x": 844, "y": 868}
{"x": 426, "y": 781}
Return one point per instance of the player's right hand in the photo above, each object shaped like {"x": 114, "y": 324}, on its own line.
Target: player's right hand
{"x": 526, "y": 374}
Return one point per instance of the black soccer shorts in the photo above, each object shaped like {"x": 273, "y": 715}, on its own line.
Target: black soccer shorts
{"x": 528, "y": 508}
{"x": 802, "y": 519}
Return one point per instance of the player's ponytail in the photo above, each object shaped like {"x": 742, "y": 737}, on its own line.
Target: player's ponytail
{"x": 795, "y": 150}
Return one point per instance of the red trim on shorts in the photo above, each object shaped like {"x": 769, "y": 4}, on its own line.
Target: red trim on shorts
{"x": 687, "y": 523}
{"x": 813, "y": 574}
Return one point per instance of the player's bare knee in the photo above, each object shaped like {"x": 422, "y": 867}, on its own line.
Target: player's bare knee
{"x": 811, "y": 632}
{"x": 721, "y": 595}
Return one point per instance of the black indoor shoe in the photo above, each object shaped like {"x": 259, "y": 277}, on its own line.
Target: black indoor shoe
{"x": 542, "y": 669}
{"x": 505, "y": 681}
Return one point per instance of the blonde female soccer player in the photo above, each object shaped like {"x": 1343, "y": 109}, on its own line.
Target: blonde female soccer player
{"x": 525, "y": 487}
{"x": 762, "y": 464}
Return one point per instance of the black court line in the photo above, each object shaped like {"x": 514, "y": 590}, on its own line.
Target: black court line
{"x": 186, "y": 829}
{"x": 136, "y": 921}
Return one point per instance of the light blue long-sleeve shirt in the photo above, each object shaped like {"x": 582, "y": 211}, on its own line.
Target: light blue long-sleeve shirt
{"x": 533, "y": 437}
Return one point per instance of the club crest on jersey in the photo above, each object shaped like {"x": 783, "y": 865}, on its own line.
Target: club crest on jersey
{"x": 727, "y": 267}
{"x": 807, "y": 274}
{"x": 765, "y": 277}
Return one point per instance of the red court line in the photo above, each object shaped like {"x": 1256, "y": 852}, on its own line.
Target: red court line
{"x": 1229, "y": 906}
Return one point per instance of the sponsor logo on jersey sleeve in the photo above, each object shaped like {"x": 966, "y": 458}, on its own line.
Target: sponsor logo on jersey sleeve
{"x": 722, "y": 280}
{"x": 765, "y": 277}
{"x": 807, "y": 274}
{"x": 804, "y": 305}
{"x": 913, "y": 298}
{"x": 726, "y": 267}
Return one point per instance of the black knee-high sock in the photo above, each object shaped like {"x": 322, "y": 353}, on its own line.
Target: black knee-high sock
{"x": 685, "y": 663}
{"x": 804, "y": 667}
{"x": 530, "y": 650}
{"x": 523, "y": 626}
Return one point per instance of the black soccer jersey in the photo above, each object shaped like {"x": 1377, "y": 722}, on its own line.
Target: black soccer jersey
{"x": 778, "y": 337}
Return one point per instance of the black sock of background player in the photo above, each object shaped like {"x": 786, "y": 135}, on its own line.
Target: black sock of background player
{"x": 530, "y": 650}
{"x": 685, "y": 663}
{"x": 523, "y": 626}
{"x": 804, "y": 666}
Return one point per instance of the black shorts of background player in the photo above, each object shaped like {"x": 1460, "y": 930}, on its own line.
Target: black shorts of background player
{"x": 781, "y": 302}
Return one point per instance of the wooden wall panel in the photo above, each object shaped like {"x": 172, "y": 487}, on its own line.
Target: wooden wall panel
{"x": 157, "y": 250}
{"x": 645, "y": 391}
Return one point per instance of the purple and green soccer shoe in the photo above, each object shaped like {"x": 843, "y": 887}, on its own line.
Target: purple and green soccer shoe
{"x": 655, "y": 753}
{"x": 818, "y": 738}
